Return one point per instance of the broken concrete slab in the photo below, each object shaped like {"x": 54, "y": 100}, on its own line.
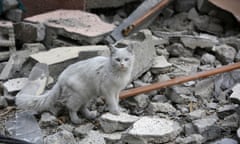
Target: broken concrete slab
{"x": 93, "y": 137}
{"x": 179, "y": 94}
{"x": 59, "y": 58}
{"x": 226, "y": 110}
{"x": 112, "y": 138}
{"x": 15, "y": 85}
{"x": 235, "y": 96}
{"x": 201, "y": 41}
{"x": 143, "y": 45}
{"x": 204, "y": 89}
{"x": 111, "y": 123}
{"x": 62, "y": 137}
{"x": 152, "y": 130}
{"x": 75, "y": 25}
{"x": 197, "y": 114}
{"x": 160, "y": 65}
{"x": 158, "y": 107}
{"x": 93, "y": 4}
{"x": 192, "y": 139}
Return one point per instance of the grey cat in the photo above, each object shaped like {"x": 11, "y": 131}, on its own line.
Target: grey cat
{"x": 84, "y": 80}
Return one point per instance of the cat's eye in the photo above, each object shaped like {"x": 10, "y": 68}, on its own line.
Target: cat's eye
{"x": 126, "y": 59}
{"x": 118, "y": 59}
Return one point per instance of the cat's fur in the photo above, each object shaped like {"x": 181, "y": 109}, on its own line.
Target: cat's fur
{"x": 84, "y": 80}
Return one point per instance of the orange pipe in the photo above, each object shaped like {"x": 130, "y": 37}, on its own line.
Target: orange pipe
{"x": 179, "y": 80}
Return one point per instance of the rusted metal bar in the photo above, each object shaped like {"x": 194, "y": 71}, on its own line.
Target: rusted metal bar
{"x": 179, "y": 80}
{"x": 139, "y": 21}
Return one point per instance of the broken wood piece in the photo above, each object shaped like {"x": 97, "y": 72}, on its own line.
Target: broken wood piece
{"x": 179, "y": 80}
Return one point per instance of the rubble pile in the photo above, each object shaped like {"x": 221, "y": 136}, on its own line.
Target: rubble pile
{"x": 189, "y": 36}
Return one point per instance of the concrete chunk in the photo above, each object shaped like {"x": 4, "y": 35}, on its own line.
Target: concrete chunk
{"x": 75, "y": 25}
{"x": 111, "y": 123}
{"x": 14, "y": 15}
{"x": 235, "y": 96}
{"x": 93, "y": 137}
{"x": 160, "y": 65}
{"x": 62, "y": 137}
{"x": 14, "y": 85}
{"x": 152, "y": 130}
{"x": 202, "y": 41}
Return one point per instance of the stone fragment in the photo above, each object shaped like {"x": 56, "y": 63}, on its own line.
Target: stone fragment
{"x": 62, "y": 137}
{"x": 178, "y": 50}
{"x": 192, "y": 139}
{"x": 59, "y": 58}
{"x": 93, "y": 137}
{"x": 197, "y": 114}
{"x": 207, "y": 127}
{"x": 159, "y": 98}
{"x": 208, "y": 59}
{"x": 152, "y": 130}
{"x": 201, "y": 41}
{"x": 184, "y": 5}
{"x": 225, "y": 141}
{"x": 235, "y": 96}
{"x": 143, "y": 45}
{"x": 48, "y": 120}
{"x": 204, "y": 89}
{"x": 158, "y": 107}
{"x": 230, "y": 123}
{"x": 111, "y": 123}
{"x": 112, "y": 138}
{"x": 226, "y": 110}
{"x": 179, "y": 94}
{"x": 33, "y": 46}
{"x": 225, "y": 53}
{"x": 160, "y": 65}
{"x": 29, "y": 32}
{"x": 14, "y": 15}
{"x": 189, "y": 129}
{"x": 83, "y": 130}
{"x": 204, "y": 6}
{"x": 193, "y": 14}
{"x": 141, "y": 100}
{"x": 72, "y": 25}
{"x": 3, "y": 102}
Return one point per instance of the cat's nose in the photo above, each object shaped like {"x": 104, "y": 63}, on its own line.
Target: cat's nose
{"x": 122, "y": 66}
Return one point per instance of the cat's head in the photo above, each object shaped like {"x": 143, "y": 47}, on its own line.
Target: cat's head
{"x": 122, "y": 57}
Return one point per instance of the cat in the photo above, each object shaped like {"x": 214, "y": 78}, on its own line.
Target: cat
{"x": 84, "y": 80}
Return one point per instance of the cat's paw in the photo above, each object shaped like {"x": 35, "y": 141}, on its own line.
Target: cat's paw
{"x": 115, "y": 111}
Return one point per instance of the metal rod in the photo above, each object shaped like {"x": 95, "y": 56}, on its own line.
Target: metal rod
{"x": 179, "y": 80}
{"x": 139, "y": 21}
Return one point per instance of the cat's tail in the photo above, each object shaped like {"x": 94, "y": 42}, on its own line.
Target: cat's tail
{"x": 38, "y": 103}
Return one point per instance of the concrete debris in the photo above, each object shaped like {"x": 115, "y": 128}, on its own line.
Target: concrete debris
{"x": 226, "y": 54}
{"x": 207, "y": 127}
{"x": 48, "y": 120}
{"x": 201, "y": 41}
{"x": 83, "y": 130}
{"x": 93, "y": 137}
{"x": 152, "y": 130}
{"x": 188, "y": 37}
{"x": 14, "y": 85}
{"x": 235, "y": 96}
{"x": 194, "y": 138}
{"x": 111, "y": 123}
{"x": 73, "y": 25}
{"x": 62, "y": 137}
{"x": 160, "y": 65}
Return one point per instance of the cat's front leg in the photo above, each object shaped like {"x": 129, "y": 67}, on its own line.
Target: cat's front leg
{"x": 112, "y": 103}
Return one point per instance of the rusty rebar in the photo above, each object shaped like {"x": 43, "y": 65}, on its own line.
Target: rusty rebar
{"x": 178, "y": 80}
{"x": 139, "y": 21}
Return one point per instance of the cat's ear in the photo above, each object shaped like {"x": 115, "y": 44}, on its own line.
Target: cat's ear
{"x": 112, "y": 48}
